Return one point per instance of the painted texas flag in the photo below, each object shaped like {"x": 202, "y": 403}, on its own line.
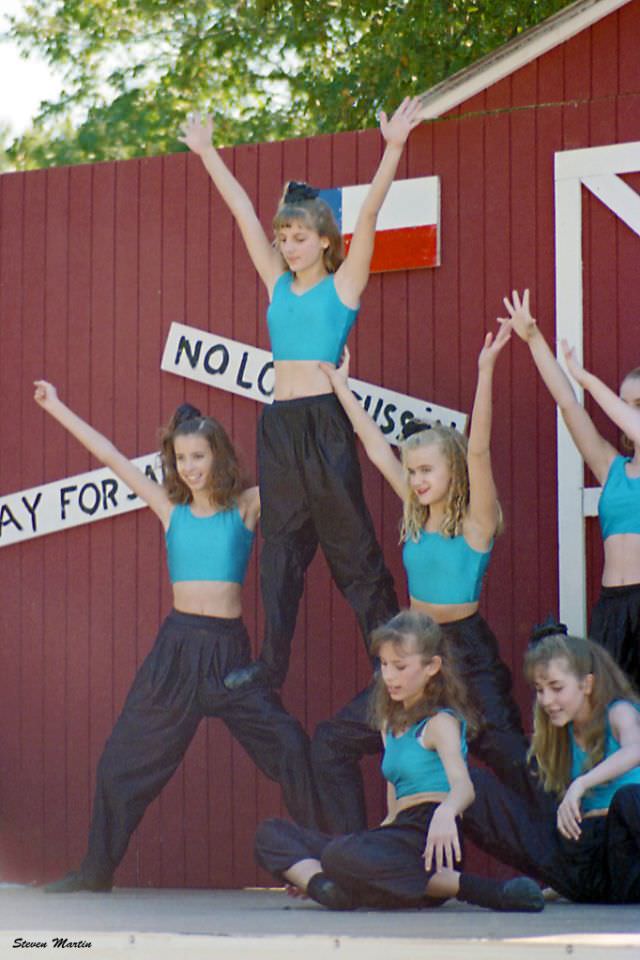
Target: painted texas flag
{"x": 408, "y": 229}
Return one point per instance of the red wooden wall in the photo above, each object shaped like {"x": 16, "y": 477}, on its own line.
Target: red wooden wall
{"x": 97, "y": 261}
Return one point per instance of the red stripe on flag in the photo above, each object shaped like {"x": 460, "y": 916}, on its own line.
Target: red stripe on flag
{"x": 407, "y": 248}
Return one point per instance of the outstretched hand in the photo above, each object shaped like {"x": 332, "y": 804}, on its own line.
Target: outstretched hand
{"x": 44, "y": 393}
{"x": 575, "y": 368}
{"x": 197, "y": 132}
{"x": 407, "y": 116}
{"x": 493, "y": 345}
{"x": 519, "y": 315}
{"x": 338, "y": 375}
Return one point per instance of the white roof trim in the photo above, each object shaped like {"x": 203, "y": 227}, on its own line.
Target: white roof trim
{"x": 515, "y": 54}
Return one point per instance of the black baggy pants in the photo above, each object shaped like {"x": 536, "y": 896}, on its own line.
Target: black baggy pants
{"x": 179, "y": 683}
{"x": 615, "y": 624}
{"x": 339, "y": 743}
{"x": 603, "y": 866}
{"x": 311, "y": 493}
{"x": 378, "y": 868}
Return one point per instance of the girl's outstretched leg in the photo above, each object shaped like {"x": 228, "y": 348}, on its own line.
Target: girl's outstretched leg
{"x": 150, "y": 737}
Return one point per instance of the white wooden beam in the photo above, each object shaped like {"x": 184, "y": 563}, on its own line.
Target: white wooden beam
{"x": 515, "y": 54}
{"x": 617, "y": 196}
{"x": 592, "y": 161}
{"x": 571, "y": 534}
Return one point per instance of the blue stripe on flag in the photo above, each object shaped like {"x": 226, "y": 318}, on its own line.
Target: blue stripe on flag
{"x": 334, "y": 198}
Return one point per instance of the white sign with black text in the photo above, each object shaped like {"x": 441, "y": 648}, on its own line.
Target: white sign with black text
{"x": 68, "y": 503}
{"x": 248, "y": 371}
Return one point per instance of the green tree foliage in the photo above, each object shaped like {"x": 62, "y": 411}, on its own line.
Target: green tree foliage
{"x": 266, "y": 69}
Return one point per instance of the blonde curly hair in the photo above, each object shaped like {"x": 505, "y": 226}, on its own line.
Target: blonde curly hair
{"x": 453, "y": 446}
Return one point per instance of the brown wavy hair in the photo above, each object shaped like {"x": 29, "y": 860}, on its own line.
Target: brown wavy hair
{"x": 551, "y": 746}
{"x": 315, "y": 214}
{"x": 413, "y": 632}
{"x": 227, "y": 479}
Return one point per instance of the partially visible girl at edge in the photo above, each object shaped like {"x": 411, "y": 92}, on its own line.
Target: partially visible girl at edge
{"x": 586, "y": 742}
{"x": 209, "y": 519}
{"x": 615, "y": 619}
{"x": 309, "y": 474}
{"x": 420, "y": 707}
{"x": 451, "y": 517}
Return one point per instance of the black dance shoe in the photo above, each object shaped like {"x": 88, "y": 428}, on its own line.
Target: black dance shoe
{"x": 326, "y": 892}
{"x": 75, "y": 882}
{"x": 254, "y": 674}
{"x": 521, "y": 894}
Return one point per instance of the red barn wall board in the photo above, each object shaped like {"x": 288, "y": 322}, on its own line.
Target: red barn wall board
{"x": 95, "y": 264}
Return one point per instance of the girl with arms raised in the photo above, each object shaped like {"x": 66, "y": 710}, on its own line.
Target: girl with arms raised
{"x": 451, "y": 517}
{"x": 309, "y": 475}
{"x": 615, "y": 619}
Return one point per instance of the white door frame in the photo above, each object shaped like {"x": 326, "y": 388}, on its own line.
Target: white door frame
{"x": 595, "y": 168}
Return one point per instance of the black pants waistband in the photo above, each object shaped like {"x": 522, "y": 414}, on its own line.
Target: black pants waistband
{"x": 321, "y": 399}
{"x": 625, "y": 589}
{"x": 203, "y": 622}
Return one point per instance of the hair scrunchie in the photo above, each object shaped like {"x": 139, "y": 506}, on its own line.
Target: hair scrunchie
{"x": 413, "y": 426}
{"x": 548, "y": 628}
{"x": 296, "y": 192}
{"x": 186, "y": 412}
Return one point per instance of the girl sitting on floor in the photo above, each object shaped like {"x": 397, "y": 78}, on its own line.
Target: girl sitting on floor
{"x": 421, "y": 707}
{"x": 586, "y": 742}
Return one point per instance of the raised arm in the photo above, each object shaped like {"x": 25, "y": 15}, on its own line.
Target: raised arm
{"x": 624, "y": 415}
{"x": 376, "y": 446}
{"x": 443, "y": 842}
{"x": 197, "y": 134}
{"x": 593, "y": 448}
{"x": 153, "y": 494}
{"x": 352, "y": 276}
{"x": 482, "y": 517}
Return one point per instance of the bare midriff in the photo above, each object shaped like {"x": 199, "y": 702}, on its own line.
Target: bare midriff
{"x": 621, "y": 560}
{"x": 600, "y": 812}
{"x": 445, "y": 612}
{"x": 415, "y": 799}
{"x": 299, "y": 378}
{"x": 208, "y": 598}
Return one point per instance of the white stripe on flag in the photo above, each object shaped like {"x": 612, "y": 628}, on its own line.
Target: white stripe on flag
{"x": 409, "y": 203}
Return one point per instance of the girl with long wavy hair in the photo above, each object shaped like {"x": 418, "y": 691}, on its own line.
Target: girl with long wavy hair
{"x": 451, "y": 516}
{"x": 586, "y": 741}
{"x": 421, "y": 707}
{"x": 209, "y": 516}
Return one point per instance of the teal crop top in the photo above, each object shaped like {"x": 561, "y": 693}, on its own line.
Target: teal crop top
{"x": 619, "y": 504}
{"x": 412, "y": 768}
{"x": 444, "y": 569}
{"x": 313, "y": 325}
{"x": 207, "y": 548}
{"x": 600, "y": 797}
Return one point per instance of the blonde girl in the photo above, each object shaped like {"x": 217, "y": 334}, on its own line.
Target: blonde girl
{"x": 451, "y": 516}
{"x": 586, "y": 742}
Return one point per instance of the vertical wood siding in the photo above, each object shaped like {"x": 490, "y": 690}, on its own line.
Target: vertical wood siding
{"x": 95, "y": 264}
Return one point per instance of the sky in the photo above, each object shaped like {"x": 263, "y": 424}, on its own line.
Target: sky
{"x": 24, "y": 83}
